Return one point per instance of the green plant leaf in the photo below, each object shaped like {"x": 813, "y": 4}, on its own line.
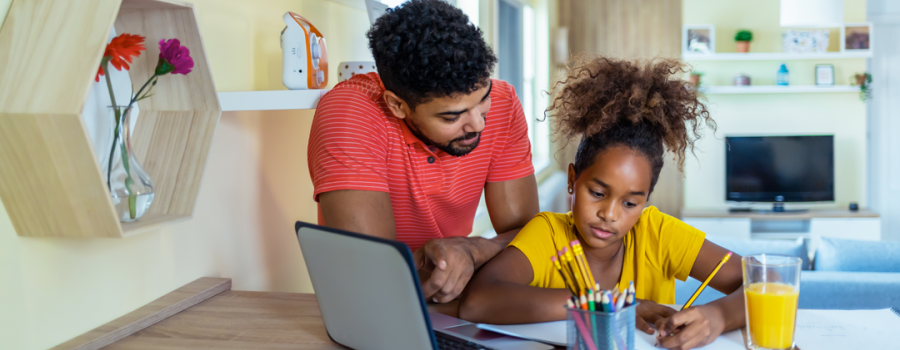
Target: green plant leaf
{"x": 743, "y": 35}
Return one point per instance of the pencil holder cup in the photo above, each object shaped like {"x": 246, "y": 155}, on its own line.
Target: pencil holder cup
{"x": 594, "y": 330}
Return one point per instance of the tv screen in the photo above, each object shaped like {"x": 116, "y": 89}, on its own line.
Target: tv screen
{"x": 779, "y": 168}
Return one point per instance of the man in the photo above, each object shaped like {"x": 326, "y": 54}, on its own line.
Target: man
{"x": 406, "y": 154}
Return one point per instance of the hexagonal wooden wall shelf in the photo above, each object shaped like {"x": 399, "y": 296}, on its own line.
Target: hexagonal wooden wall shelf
{"x": 50, "y": 180}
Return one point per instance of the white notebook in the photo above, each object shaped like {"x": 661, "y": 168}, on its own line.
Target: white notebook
{"x": 816, "y": 329}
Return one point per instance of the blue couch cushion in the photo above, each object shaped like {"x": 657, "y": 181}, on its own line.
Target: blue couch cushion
{"x": 861, "y": 256}
{"x": 745, "y": 247}
{"x": 823, "y": 290}
{"x": 849, "y": 290}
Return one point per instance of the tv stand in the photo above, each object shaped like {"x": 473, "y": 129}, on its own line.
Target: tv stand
{"x": 790, "y": 224}
{"x": 777, "y": 208}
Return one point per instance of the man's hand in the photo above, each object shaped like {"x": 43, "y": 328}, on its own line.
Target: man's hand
{"x": 692, "y": 328}
{"x": 650, "y": 313}
{"x": 448, "y": 264}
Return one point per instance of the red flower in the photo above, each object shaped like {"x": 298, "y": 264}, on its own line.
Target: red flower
{"x": 121, "y": 50}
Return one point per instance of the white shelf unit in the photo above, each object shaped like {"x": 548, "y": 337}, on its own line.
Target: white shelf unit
{"x": 270, "y": 100}
{"x": 775, "y": 89}
{"x": 773, "y": 56}
{"x": 862, "y": 225}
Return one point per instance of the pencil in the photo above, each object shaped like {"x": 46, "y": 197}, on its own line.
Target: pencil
{"x": 563, "y": 274}
{"x": 576, "y": 270}
{"x": 591, "y": 303}
{"x": 586, "y": 268}
{"x": 631, "y": 293}
{"x": 711, "y": 275}
{"x": 567, "y": 268}
{"x": 604, "y": 303}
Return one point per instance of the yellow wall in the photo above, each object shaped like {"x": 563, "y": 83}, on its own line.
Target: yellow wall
{"x": 255, "y": 186}
{"x": 841, "y": 114}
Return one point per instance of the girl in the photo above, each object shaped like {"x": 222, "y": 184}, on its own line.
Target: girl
{"x": 627, "y": 114}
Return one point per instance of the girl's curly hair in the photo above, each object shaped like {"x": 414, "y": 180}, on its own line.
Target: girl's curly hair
{"x": 643, "y": 105}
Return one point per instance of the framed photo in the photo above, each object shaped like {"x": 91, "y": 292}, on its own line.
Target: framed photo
{"x": 804, "y": 41}
{"x": 856, "y": 37}
{"x": 824, "y": 74}
{"x": 698, "y": 39}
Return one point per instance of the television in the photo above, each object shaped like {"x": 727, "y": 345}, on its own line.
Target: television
{"x": 779, "y": 168}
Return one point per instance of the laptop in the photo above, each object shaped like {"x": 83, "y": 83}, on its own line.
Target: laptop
{"x": 370, "y": 297}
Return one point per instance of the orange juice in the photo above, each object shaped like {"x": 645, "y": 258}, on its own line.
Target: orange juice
{"x": 771, "y": 312}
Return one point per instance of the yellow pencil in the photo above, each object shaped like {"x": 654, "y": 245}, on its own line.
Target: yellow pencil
{"x": 711, "y": 275}
{"x": 559, "y": 268}
{"x": 582, "y": 260}
{"x": 576, "y": 270}
{"x": 567, "y": 267}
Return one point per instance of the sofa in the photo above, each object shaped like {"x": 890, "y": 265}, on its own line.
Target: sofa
{"x": 839, "y": 274}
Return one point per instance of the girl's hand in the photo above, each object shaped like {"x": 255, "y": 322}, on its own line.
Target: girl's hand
{"x": 692, "y": 328}
{"x": 649, "y": 313}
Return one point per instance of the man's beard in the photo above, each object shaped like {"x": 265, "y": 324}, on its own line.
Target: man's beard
{"x": 449, "y": 148}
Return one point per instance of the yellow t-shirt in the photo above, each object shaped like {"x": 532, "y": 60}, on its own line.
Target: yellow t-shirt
{"x": 658, "y": 249}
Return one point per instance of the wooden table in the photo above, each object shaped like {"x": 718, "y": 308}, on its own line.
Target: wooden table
{"x": 207, "y": 314}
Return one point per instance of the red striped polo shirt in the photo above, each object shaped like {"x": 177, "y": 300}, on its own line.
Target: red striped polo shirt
{"x": 356, "y": 143}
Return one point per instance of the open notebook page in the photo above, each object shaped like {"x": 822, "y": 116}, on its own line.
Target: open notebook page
{"x": 554, "y": 333}
{"x": 847, "y": 329}
{"x": 816, "y": 329}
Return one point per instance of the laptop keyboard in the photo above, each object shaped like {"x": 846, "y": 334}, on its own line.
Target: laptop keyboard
{"x": 449, "y": 342}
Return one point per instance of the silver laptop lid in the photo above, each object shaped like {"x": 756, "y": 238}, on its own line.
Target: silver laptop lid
{"x": 367, "y": 288}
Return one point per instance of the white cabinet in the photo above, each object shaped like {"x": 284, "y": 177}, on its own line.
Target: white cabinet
{"x": 732, "y": 228}
{"x": 860, "y": 225}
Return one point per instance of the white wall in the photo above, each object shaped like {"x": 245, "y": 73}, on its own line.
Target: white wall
{"x": 884, "y": 125}
{"x": 841, "y": 114}
{"x": 255, "y": 186}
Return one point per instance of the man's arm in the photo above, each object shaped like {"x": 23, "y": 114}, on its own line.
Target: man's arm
{"x": 366, "y": 212}
{"x": 511, "y": 205}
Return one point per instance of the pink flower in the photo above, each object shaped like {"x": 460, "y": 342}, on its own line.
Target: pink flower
{"x": 173, "y": 58}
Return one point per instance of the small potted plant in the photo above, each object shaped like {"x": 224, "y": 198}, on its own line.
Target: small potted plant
{"x": 742, "y": 39}
{"x": 695, "y": 78}
{"x": 864, "y": 81}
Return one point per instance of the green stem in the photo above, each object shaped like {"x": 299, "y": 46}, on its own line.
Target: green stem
{"x": 138, "y": 94}
{"x": 112, "y": 99}
{"x": 132, "y": 198}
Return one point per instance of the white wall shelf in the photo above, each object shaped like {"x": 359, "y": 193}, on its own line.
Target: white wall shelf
{"x": 270, "y": 100}
{"x": 773, "y": 56}
{"x": 773, "y": 89}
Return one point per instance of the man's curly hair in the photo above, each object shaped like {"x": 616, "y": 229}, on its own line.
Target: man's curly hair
{"x": 428, "y": 48}
{"x": 643, "y": 105}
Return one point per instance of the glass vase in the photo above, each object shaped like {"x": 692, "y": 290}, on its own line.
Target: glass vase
{"x": 128, "y": 183}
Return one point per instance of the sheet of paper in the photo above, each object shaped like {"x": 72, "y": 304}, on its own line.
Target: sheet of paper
{"x": 816, "y": 329}
{"x": 554, "y": 333}
{"x": 733, "y": 340}
{"x": 847, "y": 329}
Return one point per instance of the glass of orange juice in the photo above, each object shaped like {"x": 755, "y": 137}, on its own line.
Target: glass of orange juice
{"x": 771, "y": 288}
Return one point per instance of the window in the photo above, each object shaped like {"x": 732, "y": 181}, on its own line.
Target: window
{"x": 522, "y": 67}
{"x": 522, "y": 46}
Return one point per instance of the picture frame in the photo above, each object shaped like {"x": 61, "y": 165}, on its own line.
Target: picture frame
{"x": 698, "y": 39}
{"x": 857, "y": 37}
{"x": 824, "y": 75}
